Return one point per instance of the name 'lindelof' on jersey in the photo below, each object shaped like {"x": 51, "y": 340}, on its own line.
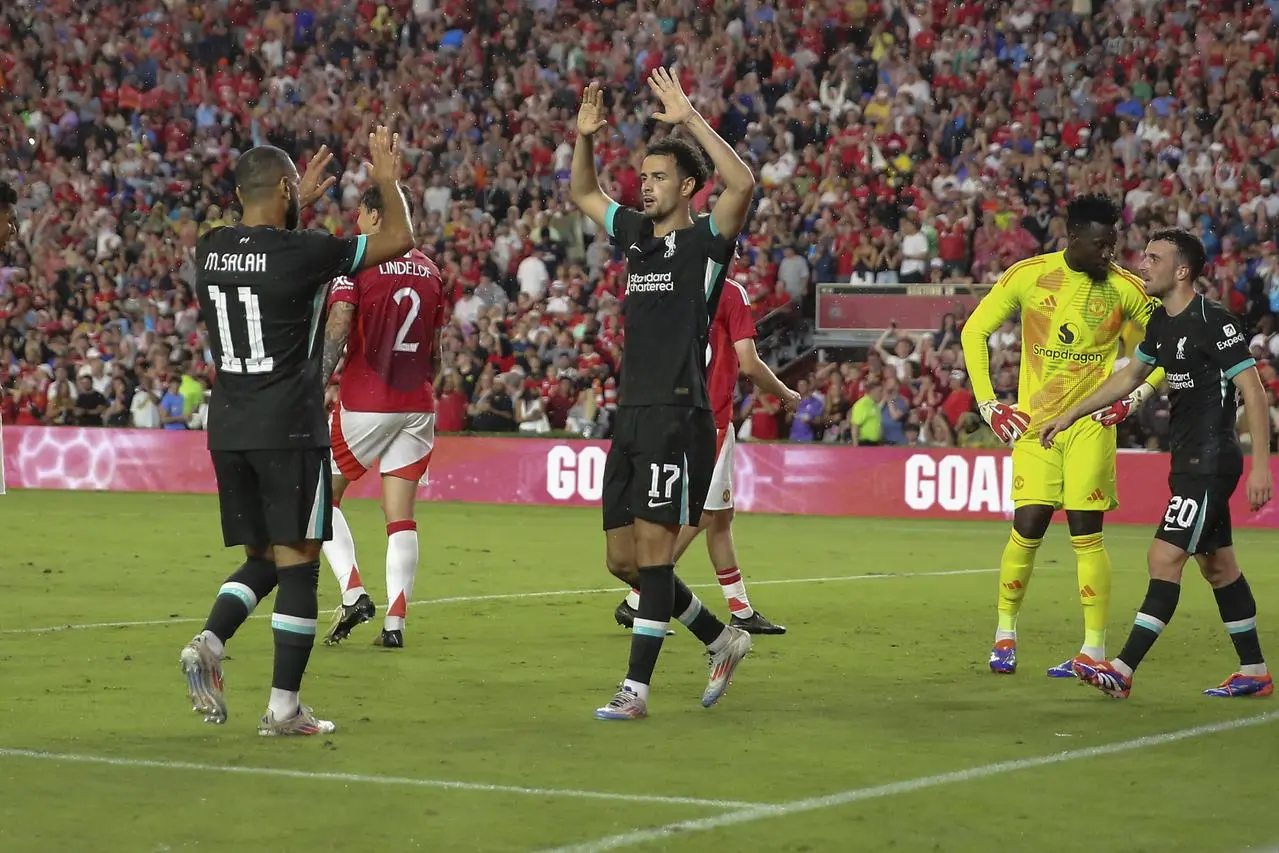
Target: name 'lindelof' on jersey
{"x": 1202, "y": 349}
{"x": 262, "y": 299}
{"x": 672, "y": 286}
{"x": 1071, "y": 326}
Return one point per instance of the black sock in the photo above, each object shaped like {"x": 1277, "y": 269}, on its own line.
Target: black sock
{"x": 696, "y": 618}
{"x": 293, "y": 623}
{"x": 656, "y": 586}
{"x": 250, "y": 583}
{"x": 1239, "y": 611}
{"x": 1155, "y": 614}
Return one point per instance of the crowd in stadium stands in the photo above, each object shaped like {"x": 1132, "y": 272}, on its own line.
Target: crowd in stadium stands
{"x": 907, "y": 140}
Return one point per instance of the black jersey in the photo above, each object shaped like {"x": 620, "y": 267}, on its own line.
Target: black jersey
{"x": 672, "y": 286}
{"x": 1202, "y": 349}
{"x": 262, "y": 299}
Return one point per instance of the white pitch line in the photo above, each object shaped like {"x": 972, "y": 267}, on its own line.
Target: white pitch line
{"x": 514, "y": 596}
{"x": 362, "y": 779}
{"x": 749, "y": 815}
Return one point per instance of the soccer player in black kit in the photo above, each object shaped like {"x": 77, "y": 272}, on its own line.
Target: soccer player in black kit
{"x": 262, "y": 286}
{"x": 662, "y": 456}
{"x": 1202, "y": 347}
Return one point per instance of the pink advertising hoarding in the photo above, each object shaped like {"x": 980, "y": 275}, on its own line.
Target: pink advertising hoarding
{"x": 773, "y": 478}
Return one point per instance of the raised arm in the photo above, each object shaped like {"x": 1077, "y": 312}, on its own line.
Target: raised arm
{"x": 734, "y": 203}
{"x": 584, "y": 185}
{"x": 395, "y": 237}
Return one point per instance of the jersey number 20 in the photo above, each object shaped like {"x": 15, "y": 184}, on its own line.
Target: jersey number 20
{"x": 257, "y": 361}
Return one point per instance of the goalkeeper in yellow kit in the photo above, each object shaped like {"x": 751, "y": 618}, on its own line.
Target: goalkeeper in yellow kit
{"x": 1074, "y": 307}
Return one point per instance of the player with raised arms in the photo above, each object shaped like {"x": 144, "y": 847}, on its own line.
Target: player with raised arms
{"x": 1074, "y": 306}
{"x": 732, "y": 349}
{"x": 1202, "y": 347}
{"x": 387, "y": 320}
{"x": 662, "y": 456}
{"x": 261, "y": 286}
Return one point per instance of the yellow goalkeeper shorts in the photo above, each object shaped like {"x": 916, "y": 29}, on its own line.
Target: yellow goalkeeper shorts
{"x": 1076, "y": 473}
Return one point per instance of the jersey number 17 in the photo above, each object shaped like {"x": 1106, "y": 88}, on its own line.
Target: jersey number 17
{"x": 257, "y": 360}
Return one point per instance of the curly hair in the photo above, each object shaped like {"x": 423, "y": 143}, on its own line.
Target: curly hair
{"x": 689, "y": 158}
{"x": 1092, "y": 209}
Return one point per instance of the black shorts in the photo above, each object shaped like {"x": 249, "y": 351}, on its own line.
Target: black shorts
{"x": 659, "y": 465}
{"x": 274, "y": 497}
{"x": 1198, "y": 516}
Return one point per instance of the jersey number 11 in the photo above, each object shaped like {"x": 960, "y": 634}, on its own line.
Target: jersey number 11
{"x": 257, "y": 361}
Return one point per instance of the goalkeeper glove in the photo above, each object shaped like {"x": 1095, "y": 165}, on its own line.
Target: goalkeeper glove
{"x": 1116, "y": 412}
{"x": 1008, "y": 423}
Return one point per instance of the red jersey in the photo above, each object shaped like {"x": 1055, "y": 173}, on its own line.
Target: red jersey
{"x": 732, "y": 323}
{"x": 399, "y": 306}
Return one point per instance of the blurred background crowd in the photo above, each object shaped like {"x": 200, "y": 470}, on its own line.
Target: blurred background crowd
{"x": 894, "y": 141}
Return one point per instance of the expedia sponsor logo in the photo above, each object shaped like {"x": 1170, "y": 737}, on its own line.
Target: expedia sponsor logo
{"x": 1067, "y": 355}
{"x": 1229, "y": 342}
{"x": 653, "y": 282}
{"x": 1180, "y": 381}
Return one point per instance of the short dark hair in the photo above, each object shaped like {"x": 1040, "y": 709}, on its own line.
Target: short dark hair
{"x": 260, "y": 169}
{"x": 372, "y": 200}
{"x": 1190, "y": 249}
{"x": 8, "y": 195}
{"x": 689, "y": 159}
{"x": 1092, "y": 209}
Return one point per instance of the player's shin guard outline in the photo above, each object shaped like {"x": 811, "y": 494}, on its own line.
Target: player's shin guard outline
{"x": 293, "y": 624}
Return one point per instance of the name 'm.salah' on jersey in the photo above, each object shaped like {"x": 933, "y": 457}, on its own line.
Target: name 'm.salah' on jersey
{"x": 672, "y": 287}
{"x": 390, "y": 354}
{"x": 1202, "y": 348}
{"x": 262, "y": 299}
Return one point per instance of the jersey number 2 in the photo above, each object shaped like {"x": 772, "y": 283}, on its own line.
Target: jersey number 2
{"x": 257, "y": 361}
{"x": 415, "y": 307}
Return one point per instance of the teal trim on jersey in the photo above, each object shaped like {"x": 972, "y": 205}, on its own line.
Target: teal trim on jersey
{"x": 609, "y": 216}
{"x": 317, "y": 311}
{"x": 361, "y": 243}
{"x": 683, "y": 497}
{"x": 1199, "y": 525}
{"x": 1145, "y": 359}
{"x": 710, "y": 220}
{"x": 1240, "y": 368}
{"x": 712, "y": 272}
{"x": 316, "y": 521}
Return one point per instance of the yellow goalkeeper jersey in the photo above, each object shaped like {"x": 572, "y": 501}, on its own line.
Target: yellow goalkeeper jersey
{"x": 1070, "y": 331}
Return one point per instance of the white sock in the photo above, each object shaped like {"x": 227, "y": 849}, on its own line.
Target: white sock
{"x": 640, "y": 690}
{"x": 1094, "y": 652}
{"x": 401, "y": 570}
{"x": 340, "y": 552}
{"x": 283, "y": 704}
{"x": 632, "y": 598}
{"x": 1256, "y": 670}
{"x": 215, "y": 645}
{"x": 718, "y": 644}
{"x": 1122, "y": 668}
{"x": 1004, "y": 634}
